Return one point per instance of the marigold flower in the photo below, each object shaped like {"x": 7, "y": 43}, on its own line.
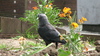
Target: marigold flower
{"x": 46, "y": 6}
{"x": 21, "y": 38}
{"x": 62, "y": 15}
{"x": 69, "y": 12}
{"x": 65, "y": 9}
{"x": 80, "y": 21}
{"x": 74, "y": 24}
{"x": 69, "y": 17}
{"x": 51, "y": 4}
{"x": 35, "y": 8}
{"x": 84, "y": 19}
{"x": 86, "y": 48}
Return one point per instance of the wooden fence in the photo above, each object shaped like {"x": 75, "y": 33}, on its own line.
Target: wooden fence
{"x": 11, "y": 26}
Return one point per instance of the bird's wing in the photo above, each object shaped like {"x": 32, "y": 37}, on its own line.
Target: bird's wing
{"x": 53, "y": 36}
{"x": 49, "y": 33}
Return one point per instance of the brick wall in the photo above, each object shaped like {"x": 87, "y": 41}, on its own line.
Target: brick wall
{"x": 7, "y": 8}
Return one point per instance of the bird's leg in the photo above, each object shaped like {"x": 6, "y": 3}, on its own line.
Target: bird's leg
{"x": 46, "y": 42}
{"x": 56, "y": 45}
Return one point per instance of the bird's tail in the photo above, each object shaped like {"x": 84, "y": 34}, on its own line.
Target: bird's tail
{"x": 62, "y": 40}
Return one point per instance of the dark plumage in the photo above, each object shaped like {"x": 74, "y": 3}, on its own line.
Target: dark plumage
{"x": 47, "y": 32}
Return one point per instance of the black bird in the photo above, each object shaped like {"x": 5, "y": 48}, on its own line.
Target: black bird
{"x": 47, "y": 32}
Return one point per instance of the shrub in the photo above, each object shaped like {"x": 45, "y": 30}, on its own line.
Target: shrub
{"x": 46, "y": 7}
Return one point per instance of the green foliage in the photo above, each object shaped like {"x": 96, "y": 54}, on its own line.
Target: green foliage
{"x": 35, "y": 48}
{"x": 27, "y": 48}
{"x": 63, "y": 52}
{"x": 30, "y": 35}
{"x": 43, "y": 7}
{"x": 46, "y": 54}
{"x": 51, "y": 12}
{"x": 74, "y": 44}
{"x": 15, "y": 38}
{"x": 3, "y": 46}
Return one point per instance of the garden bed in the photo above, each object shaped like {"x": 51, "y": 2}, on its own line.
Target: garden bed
{"x": 12, "y": 48}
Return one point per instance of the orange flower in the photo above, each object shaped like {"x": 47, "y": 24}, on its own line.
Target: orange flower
{"x": 69, "y": 17}
{"x": 21, "y": 38}
{"x": 62, "y": 15}
{"x": 69, "y": 12}
{"x": 65, "y": 9}
{"x": 35, "y": 8}
{"x": 86, "y": 48}
{"x": 80, "y": 21}
{"x": 51, "y": 4}
{"x": 74, "y": 24}
{"x": 84, "y": 19}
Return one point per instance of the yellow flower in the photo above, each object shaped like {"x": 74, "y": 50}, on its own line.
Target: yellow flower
{"x": 65, "y": 9}
{"x": 35, "y": 8}
{"x": 84, "y": 19}
{"x": 69, "y": 17}
{"x": 62, "y": 15}
{"x": 46, "y": 6}
{"x": 21, "y": 38}
{"x": 74, "y": 24}
{"x": 69, "y": 12}
{"x": 80, "y": 21}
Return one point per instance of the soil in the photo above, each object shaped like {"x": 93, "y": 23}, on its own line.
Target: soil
{"x": 15, "y": 43}
{"x": 50, "y": 50}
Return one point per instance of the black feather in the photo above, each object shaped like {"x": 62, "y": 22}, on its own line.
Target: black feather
{"x": 47, "y": 32}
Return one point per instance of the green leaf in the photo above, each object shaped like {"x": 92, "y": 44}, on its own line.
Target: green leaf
{"x": 63, "y": 52}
